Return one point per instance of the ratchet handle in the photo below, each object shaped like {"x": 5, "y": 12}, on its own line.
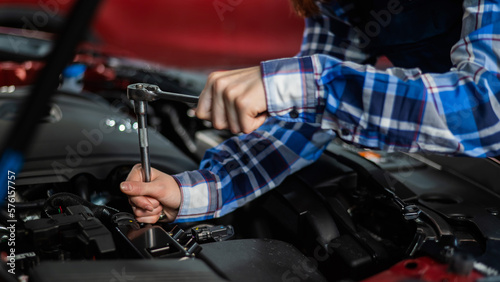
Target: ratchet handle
{"x": 151, "y": 92}
{"x": 140, "y": 111}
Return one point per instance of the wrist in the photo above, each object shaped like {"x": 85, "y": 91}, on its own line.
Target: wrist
{"x": 177, "y": 191}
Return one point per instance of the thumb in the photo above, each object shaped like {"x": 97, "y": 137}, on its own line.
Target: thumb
{"x": 138, "y": 188}
{"x": 204, "y": 108}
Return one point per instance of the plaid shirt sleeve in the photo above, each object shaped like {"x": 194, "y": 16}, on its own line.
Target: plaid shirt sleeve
{"x": 401, "y": 109}
{"x": 244, "y": 167}
{"x": 330, "y": 33}
{"x": 397, "y": 109}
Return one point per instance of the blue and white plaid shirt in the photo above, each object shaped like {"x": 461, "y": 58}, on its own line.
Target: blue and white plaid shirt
{"x": 324, "y": 88}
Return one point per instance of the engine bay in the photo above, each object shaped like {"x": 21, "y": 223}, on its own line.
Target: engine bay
{"x": 354, "y": 215}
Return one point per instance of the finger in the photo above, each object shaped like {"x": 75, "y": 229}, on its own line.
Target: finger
{"x": 259, "y": 121}
{"x": 137, "y": 188}
{"x": 148, "y": 219}
{"x": 204, "y": 108}
{"x": 231, "y": 114}
{"x": 219, "y": 117}
{"x": 250, "y": 124}
{"x": 137, "y": 173}
{"x": 144, "y": 203}
{"x": 154, "y": 202}
{"x": 142, "y": 212}
{"x": 246, "y": 114}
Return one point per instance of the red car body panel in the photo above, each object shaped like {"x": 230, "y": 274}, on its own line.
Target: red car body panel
{"x": 190, "y": 33}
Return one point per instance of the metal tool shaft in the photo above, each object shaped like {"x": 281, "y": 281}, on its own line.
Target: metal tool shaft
{"x": 141, "y": 112}
{"x": 141, "y": 93}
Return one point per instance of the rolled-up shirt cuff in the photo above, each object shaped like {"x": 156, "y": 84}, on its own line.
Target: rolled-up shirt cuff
{"x": 291, "y": 88}
{"x": 199, "y": 195}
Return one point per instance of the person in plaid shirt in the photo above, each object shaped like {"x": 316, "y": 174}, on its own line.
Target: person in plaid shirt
{"x": 442, "y": 97}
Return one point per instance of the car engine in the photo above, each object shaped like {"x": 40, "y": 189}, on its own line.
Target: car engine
{"x": 354, "y": 215}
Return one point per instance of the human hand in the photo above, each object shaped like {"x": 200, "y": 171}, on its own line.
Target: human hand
{"x": 234, "y": 100}
{"x": 149, "y": 199}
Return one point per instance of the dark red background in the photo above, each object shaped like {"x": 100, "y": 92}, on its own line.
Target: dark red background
{"x": 192, "y": 33}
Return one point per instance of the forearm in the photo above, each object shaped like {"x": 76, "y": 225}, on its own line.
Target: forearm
{"x": 400, "y": 109}
{"x": 243, "y": 168}
{"x": 393, "y": 110}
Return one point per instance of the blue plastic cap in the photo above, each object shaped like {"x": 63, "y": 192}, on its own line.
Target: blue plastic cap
{"x": 74, "y": 70}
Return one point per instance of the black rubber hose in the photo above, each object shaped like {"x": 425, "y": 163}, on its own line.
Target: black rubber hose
{"x": 30, "y": 205}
